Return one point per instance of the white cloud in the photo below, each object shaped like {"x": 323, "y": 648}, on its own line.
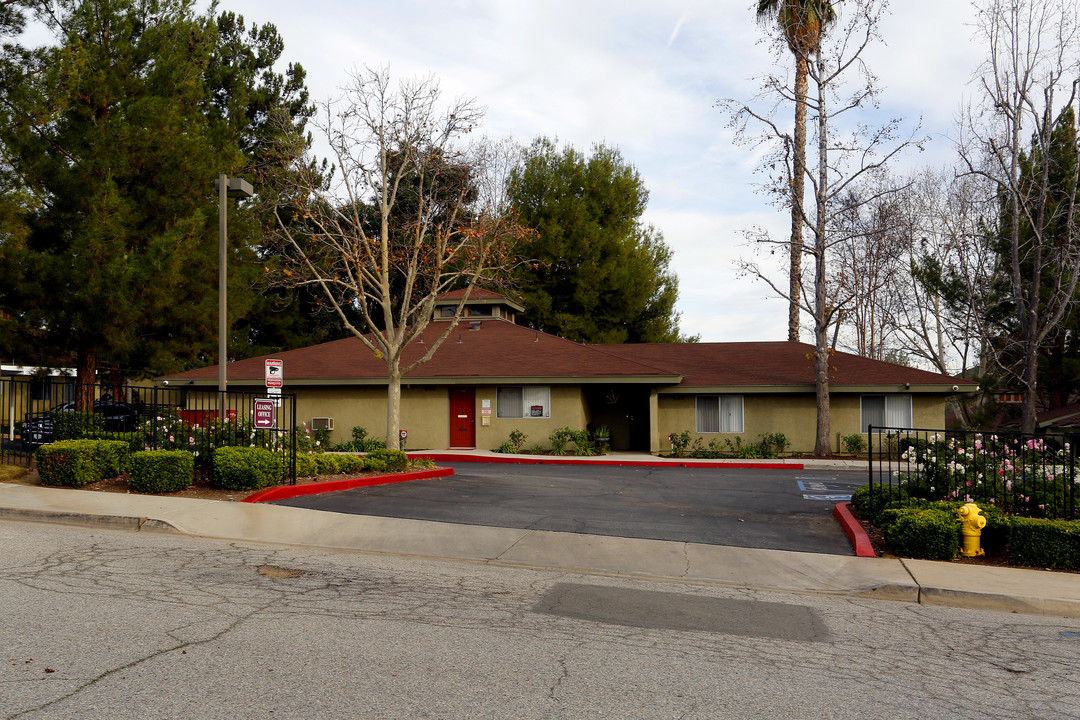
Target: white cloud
{"x": 642, "y": 75}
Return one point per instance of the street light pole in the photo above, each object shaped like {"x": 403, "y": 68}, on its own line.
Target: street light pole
{"x": 227, "y": 187}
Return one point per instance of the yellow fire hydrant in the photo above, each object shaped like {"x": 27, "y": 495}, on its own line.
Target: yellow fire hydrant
{"x": 971, "y": 525}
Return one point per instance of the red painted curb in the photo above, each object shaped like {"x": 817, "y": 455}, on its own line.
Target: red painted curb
{"x": 284, "y": 492}
{"x": 859, "y": 539}
{"x": 441, "y": 457}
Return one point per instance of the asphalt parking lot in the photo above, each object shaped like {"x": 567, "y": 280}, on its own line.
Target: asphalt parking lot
{"x": 770, "y": 509}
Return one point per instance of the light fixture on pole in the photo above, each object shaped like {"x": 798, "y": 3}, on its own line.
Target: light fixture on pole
{"x": 237, "y": 188}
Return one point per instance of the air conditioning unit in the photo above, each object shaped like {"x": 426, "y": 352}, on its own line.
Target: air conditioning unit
{"x": 322, "y": 423}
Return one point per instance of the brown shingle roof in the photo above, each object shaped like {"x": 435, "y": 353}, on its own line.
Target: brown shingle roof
{"x": 496, "y": 349}
{"x": 770, "y": 363}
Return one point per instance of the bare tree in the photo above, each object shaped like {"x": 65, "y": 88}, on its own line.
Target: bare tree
{"x": 949, "y": 270}
{"x": 867, "y": 263}
{"x": 1029, "y": 88}
{"x": 847, "y": 150}
{"x": 407, "y": 214}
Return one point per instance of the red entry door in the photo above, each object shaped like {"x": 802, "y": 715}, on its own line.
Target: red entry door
{"x": 462, "y": 417}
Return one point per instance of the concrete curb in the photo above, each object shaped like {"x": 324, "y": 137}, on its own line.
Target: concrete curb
{"x": 90, "y": 520}
{"x": 860, "y": 541}
{"x": 284, "y": 492}
{"x": 538, "y": 460}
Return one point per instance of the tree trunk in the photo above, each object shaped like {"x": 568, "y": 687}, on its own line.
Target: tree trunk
{"x": 1031, "y": 386}
{"x": 822, "y": 446}
{"x": 393, "y": 407}
{"x": 797, "y": 190}
{"x": 85, "y": 377}
{"x": 822, "y": 313}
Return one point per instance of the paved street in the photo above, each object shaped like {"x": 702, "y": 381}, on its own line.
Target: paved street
{"x": 107, "y": 624}
{"x": 770, "y": 509}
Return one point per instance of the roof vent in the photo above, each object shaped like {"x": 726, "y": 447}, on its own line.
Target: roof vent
{"x": 475, "y": 324}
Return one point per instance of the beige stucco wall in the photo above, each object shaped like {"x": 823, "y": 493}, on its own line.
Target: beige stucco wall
{"x": 793, "y": 415}
{"x": 567, "y": 410}
{"x": 425, "y": 414}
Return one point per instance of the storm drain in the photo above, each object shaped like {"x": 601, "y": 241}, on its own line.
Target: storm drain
{"x": 652, "y": 609}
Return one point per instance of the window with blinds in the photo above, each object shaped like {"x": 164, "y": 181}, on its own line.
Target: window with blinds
{"x": 719, "y": 413}
{"x": 523, "y": 402}
{"x": 893, "y": 411}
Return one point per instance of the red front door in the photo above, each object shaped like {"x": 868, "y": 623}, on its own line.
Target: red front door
{"x": 462, "y": 417}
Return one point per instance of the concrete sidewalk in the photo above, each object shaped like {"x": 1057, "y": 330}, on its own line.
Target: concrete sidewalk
{"x": 920, "y": 581}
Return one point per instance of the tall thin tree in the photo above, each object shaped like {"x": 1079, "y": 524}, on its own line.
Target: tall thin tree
{"x": 803, "y": 23}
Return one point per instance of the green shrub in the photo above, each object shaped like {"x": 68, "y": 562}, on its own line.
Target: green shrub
{"x": 134, "y": 440}
{"x": 506, "y": 447}
{"x": 69, "y": 425}
{"x": 327, "y": 464}
{"x": 679, "y": 443}
{"x": 774, "y": 444}
{"x": 583, "y": 444}
{"x": 559, "y": 439}
{"x": 350, "y": 463}
{"x": 422, "y": 463}
{"x": 1044, "y": 543}
{"x": 306, "y": 465}
{"x": 854, "y": 443}
{"x": 158, "y": 471}
{"x": 109, "y": 459}
{"x": 361, "y": 442}
{"x": 68, "y": 463}
{"x": 929, "y": 534}
{"x": 383, "y": 460}
{"x": 245, "y": 468}
{"x": 114, "y": 456}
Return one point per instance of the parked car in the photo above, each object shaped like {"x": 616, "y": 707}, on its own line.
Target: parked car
{"x": 118, "y": 416}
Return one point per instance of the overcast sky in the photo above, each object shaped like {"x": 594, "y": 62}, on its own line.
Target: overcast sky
{"x": 641, "y": 75}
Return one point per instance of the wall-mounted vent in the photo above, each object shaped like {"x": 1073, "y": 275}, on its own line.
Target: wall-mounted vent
{"x": 322, "y": 423}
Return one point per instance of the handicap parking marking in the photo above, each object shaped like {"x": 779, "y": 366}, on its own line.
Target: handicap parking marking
{"x": 831, "y": 491}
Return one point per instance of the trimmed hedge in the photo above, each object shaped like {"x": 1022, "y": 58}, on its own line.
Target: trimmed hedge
{"x": 245, "y": 468}
{"x": 113, "y": 455}
{"x": 382, "y": 460}
{"x": 1044, "y": 543}
{"x": 158, "y": 471}
{"x": 930, "y": 533}
{"x": 68, "y": 463}
{"x": 75, "y": 463}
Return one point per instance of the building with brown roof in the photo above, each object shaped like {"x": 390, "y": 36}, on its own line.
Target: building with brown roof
{"x": 492, "y": 376}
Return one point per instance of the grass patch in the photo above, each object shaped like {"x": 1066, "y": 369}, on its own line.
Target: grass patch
{"x": 11, "y": 472}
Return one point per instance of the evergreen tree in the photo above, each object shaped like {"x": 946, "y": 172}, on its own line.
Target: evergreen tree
{"x": 115, "y": 135}
{"x": 599, "y": 275}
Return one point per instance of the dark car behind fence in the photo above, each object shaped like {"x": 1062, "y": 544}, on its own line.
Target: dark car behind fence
{"x": 35, "y": 412}
{"x": 1030, "y": 475}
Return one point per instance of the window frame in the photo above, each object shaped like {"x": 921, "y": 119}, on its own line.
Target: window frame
{"x": 886, "y": 397}
{"x": 525, "y": 412}
{"x": 720, "y": 414}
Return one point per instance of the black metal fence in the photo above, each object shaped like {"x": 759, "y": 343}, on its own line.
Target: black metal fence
{"x": 1030, "y": 475}
{"x": 36, "y": 411}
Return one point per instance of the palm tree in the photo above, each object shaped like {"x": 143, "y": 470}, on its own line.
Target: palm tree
{"x": 803, "y": 22}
